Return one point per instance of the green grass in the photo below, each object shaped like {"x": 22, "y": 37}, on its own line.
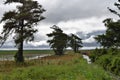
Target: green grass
{"x": 3, "y": 52}
{"x": 67, "y": 67}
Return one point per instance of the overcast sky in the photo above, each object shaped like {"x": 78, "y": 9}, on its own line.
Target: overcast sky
{"x": 81, "y": 17}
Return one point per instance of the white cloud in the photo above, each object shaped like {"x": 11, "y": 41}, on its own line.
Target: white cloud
{"x": 89, "y": 40}
{"x": 84, "y": 25}
{"x": 1, "y": 27}
{"x": 38, "y": 43}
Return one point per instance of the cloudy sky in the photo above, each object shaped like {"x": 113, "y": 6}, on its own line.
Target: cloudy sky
{"x": 81, "y": 17}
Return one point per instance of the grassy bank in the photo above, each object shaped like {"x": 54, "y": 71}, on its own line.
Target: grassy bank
{"x": 109, "y": 59}
{"x": 67, "y": 67}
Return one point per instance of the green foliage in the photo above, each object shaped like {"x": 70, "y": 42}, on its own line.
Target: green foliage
{"x": 104, "y": 61}
{"x": 75, "y": 42}
{"x": 113, "y": 51}
{"x": 112, "y": 36}
{"x": 59, "y": 40}
{"x": 115, "y": 65}
{"x": 97, "y": 53}
{"x": 109, "y": 61}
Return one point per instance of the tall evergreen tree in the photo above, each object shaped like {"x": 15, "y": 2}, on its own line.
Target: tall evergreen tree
{"x": 75, "y": 42}
{"x": 59, "y": 40}
{"x": 21, "y": 22}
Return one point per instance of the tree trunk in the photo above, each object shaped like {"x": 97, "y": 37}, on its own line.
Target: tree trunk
{"x": 19, "y": 55}
{"x": 59, "y": 51}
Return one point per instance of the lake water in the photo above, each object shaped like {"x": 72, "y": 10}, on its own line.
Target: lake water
{"x": 34, "y": 56}
{"x": 87, "y": 58}
{"x": 27, "y": 57}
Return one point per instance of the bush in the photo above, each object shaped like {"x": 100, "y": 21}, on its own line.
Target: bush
{"x": 97, "y": 53}
{"x": 115, "y": 66}
{"x": 113, "y": 51}
{"x": 108, "y": 59}
{"x": 104, "y": 61}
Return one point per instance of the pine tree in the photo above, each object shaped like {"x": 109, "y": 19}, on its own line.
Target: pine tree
{"x": 21, "y": 22}
{"x": 59, "y": 40}
{"x": 75, "y": 42}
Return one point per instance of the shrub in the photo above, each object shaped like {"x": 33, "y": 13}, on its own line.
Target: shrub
{"x": 115, "y": 66}
{"x": 104, "y": 61}
{"x": 113, "y": 51}
{"x": 97, "y": 53}
{"x": 108, "y": 59}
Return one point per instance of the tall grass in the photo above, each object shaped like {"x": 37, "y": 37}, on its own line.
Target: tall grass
{"x": 109, "y": 59}
{"x": 67, "y": 67}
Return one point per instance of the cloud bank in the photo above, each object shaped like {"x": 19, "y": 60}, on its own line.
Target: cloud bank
{"x": 81, "y": 17}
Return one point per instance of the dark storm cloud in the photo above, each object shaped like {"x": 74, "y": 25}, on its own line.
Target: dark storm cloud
{"x": 97, "y": 32}
{"x": 83, "y": 35}
{"x": 92, "y": 44}
{"x": 76, "y": 9}
{"x": 88, "y": 39}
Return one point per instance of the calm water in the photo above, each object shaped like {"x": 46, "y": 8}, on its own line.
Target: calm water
{"x": 27, "y": 57}
{"x": 87, "y": 58}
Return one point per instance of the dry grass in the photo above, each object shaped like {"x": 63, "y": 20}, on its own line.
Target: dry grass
{"x": 8, "y": 66}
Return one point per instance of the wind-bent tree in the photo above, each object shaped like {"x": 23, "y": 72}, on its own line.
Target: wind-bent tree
{"x": 112, "y": 36}
{"x": 59, "y": 40}
{"x": 21, "y": 22}
{"x": 75, "y": 42}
